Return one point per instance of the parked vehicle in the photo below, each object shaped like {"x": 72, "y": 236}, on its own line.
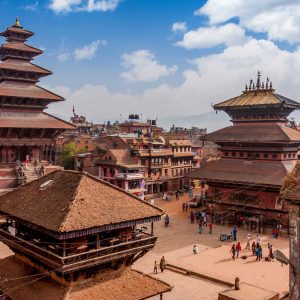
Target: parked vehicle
{"x": 226, "y": 237}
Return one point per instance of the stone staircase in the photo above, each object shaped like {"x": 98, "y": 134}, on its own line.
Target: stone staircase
{"x": 31, "y": 173}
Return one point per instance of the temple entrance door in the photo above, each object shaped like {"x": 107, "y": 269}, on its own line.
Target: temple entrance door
{"x": 23, "y": 151}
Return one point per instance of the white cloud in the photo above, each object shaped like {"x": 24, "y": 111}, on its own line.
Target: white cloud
{"x": 215, "y": 78}
{"x": 207, "y": 37}
{"x": 31, "y": 6}
{"x": 280, "y": 19}
{"x": 141, "y": 65}
{"x": 64, "y": 56}
{"x": 65, "y": 6}
{"x": 179, "y": 27}
{"x": 86, "y": 52}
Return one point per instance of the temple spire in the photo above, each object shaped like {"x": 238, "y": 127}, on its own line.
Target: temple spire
{"x": 17, "y": 23}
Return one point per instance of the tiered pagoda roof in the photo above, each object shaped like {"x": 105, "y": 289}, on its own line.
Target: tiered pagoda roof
{"x": 271, "y": 173}
{"x": 22, "y": 101}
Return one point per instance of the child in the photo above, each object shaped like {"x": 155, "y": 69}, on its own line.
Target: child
{"x": 155, "y": 267}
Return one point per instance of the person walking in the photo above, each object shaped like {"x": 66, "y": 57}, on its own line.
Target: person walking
{"x": 177, "y": 195}
{"x": 205, "y": 220}
{"x": 186, "y": 207}
{"x": 234, "y": 231}
{"x": 233, "y": 251}
{"x": 248, "y": 241}
{"x": 270, "y": 255}
{"x": 162, "y": 264}
{"x": 210, "y": 226}
{"x": 253, "y": 247}
{"x": 200, "y": 227}
{"x": 238, "y": 249}
{"x": 155, "y": 267}
{"x": 183, "y": 206}
{"x": 257, "y": 239}
{"x": 192, "y": 217}
{"x": 258, "y": 252}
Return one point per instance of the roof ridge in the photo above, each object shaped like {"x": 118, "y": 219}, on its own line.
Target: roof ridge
{"x": 72, "y": 203}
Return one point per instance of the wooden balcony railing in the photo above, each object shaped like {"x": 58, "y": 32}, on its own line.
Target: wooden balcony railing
{"x": 81, "y": 260}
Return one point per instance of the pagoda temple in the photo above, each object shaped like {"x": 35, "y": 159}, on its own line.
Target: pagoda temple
{"x": 26, "y": 131}
{"x": 257, "y": 152}
{"x": 75, "y": 237}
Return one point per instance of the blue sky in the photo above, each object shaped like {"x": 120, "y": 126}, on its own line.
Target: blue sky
{"x": 168, "y": 59}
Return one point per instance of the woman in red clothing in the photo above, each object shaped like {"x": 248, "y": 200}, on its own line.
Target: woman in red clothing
{"x": 238, "y": 249}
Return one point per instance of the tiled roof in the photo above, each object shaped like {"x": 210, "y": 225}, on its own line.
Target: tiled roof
{"x": 17, "y": 29}
{"x": 117, "y": 285}
{"x": 21, "y": 47}
{"x": 180, "y": 143}
{"x": 130, "y": 285}
{"x": 74, "y": 201}
{"x": 291, "y": 187}
{"x": 122, "y": 156}
{"x": 257, "y": 97}
{"x": 22, "y": 90}
{"x": 20, "y": 65}
{"x": 241, "y": 171}
{"x": 257, "y": 133}
{"x": 9, "y": 119}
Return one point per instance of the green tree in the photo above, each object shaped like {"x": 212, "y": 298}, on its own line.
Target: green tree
{"x": 68, "y": 154}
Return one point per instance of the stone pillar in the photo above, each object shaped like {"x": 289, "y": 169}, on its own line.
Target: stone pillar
{"x": 294, "y": 218}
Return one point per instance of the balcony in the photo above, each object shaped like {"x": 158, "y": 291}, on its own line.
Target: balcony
{"x": 183, "y": 154}
{"x": 155, "y": 152}
{"x": 129, "y": 176}
{"x": 142, "y": 242}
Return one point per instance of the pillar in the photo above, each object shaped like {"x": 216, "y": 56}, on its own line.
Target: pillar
{"x": 64, "y": 248}
{"x": 294, "y": 220}
{"x": 152, "y": 231}
{"x": 98, "y": 241}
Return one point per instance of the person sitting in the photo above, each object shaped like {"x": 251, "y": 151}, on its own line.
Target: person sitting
{"x": 195, "y": 249}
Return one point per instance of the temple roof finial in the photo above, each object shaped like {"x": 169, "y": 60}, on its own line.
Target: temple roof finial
{"x": 258, "y": 80}
{"x": 17, "y": 23}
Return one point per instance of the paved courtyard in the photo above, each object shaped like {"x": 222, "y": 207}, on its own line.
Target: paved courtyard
{"x": 176, "y": 242}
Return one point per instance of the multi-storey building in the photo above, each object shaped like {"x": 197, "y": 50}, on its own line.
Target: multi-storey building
{"x": 156, "y": 156}
{"x": 71, "y": 232}
{"x": 181, "y": 162}
{"x": 119, "y": 168}
{"x": 257, "y": 152}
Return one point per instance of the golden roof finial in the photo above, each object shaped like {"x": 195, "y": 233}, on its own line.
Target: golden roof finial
{"x": 17, "y": 22}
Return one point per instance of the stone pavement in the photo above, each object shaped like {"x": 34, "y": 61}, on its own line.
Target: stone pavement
{"x": 176, "y": 242}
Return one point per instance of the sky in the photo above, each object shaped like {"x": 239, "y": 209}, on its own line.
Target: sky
{"x": 164, "y": 59}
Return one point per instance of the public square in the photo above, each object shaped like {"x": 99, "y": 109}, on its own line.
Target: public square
{"x": 176, "y": 241}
